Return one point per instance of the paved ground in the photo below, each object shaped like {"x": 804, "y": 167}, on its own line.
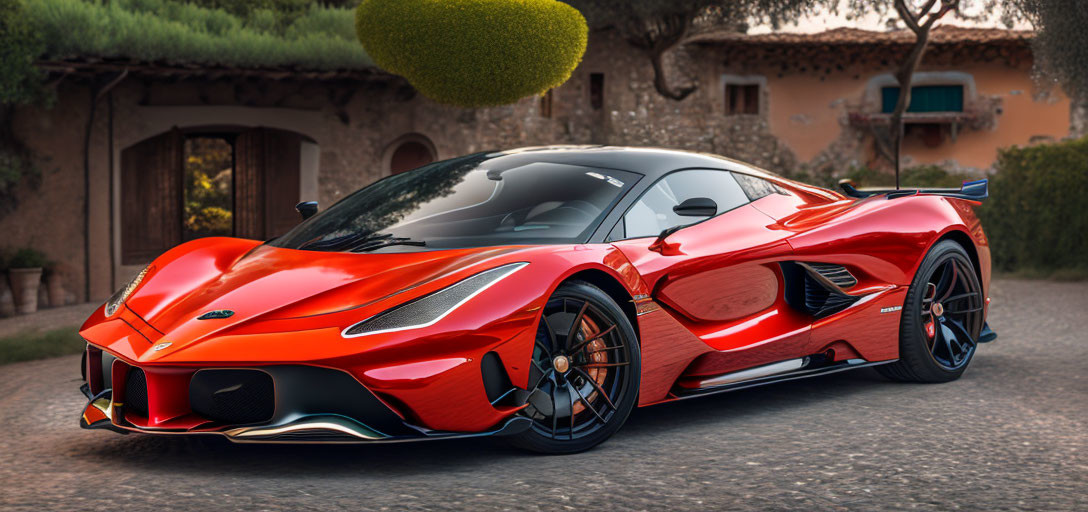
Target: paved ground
{"x": 1010, "y": 435}
{"x": 45, "y": 319}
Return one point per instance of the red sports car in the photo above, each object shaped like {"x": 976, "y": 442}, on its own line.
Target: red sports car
{"x": 539, "y": 294}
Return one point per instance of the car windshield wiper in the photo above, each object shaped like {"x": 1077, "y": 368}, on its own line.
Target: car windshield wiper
{"x": 337, "y": 243}
{"x": 377, "y": 241}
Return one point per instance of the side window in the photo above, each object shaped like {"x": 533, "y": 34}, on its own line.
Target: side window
{"x": 653, "y": 211}
{"x": 757, "y": 187}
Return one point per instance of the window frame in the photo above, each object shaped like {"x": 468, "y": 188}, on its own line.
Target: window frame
{"x": 620, "y": 221}
{"x": 760, "y": 84}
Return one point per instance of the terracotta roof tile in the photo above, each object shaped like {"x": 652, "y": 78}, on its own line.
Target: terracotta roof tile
{"x": 943, "y": 34}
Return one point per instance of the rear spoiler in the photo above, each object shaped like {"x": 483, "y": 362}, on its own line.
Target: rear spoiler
{"x": 971, "y": 190}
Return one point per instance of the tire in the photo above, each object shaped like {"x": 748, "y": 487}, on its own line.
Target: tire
{"x": 942, "y": 318}
{"x": 582, "y": 388}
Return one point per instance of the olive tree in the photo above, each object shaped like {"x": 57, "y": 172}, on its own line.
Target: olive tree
{"x": 657, "y": 26}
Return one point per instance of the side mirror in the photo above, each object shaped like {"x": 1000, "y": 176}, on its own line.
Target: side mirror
{"x": 307, "y": 209}
{"x": 696, "y": 207}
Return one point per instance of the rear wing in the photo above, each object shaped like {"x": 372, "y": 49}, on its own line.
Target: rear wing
{"x": 971, "y": 190}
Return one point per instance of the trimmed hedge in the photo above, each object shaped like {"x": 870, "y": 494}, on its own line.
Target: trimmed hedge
{"x": 1036, "y": 217}
{"x": 474, "y": 53}
{"x": 312, "y": 38}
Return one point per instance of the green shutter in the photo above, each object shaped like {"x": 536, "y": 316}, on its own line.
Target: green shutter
{"x": 926, "y": 98}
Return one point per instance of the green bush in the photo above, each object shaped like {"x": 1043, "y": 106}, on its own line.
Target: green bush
{"x": 474, "y": 53}
{"x": 1036, "y": 218}
{"x": 28, "y": 258}
{"x": 312, "y": 37}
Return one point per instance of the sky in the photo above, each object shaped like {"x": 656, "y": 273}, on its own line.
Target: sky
{"x": 828, "y": 21}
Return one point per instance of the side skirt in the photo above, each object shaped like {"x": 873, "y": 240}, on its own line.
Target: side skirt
{"x": 808, "y": 368}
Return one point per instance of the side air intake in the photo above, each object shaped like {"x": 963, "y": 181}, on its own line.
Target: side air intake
{"x": 818, "y": 292}
{"x": 836, "y": 274}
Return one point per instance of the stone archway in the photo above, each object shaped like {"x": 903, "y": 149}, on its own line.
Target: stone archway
{"x": 409, "y": 152}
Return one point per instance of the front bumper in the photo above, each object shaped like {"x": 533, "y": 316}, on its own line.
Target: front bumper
{"x": 300, "y": 404}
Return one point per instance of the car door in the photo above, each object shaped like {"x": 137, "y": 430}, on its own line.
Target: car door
{"x": 720, "y": 274}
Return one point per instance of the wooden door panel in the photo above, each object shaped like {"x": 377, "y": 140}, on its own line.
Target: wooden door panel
{"x": 266, "y": 182}
{"x": 151, "y": 184}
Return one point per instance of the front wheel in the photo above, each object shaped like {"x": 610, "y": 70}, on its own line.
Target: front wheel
{"x": 942, "y": 318}
{"x": 585, "y": 372}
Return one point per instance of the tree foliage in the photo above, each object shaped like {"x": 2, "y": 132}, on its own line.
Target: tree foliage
{"x": 657, "y": 26}
{"x": 1061, "y": 42}
{"x": 20, "y": 46}
{"x": 474, "y": 53}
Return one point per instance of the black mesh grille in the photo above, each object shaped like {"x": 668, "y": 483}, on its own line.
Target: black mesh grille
{"x": 234, "y": 397}
{"x": 136, "y": 391}
{"x": 430, "y": 308}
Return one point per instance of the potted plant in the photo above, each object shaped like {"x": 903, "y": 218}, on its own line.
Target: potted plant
{"x": 25, "y": 276}
{"x": 53, "y": 274}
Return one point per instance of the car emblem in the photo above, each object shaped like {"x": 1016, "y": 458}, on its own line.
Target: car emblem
{"x": 161, "y": 346}
{"x": 217, "y": 314}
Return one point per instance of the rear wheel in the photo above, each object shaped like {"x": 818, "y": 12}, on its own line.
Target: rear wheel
{"x": 942, "y": 318}
{"x": 585, "y": 372}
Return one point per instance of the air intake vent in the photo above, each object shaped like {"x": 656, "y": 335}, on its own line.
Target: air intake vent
{"x": 233, "y": 397}
{"x": 837, "y": 274}
{"x": 821, "y": 301}
{"x": 136, "y": 391}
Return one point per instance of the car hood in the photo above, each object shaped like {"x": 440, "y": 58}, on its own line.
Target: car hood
{"x": 261, "y": 282}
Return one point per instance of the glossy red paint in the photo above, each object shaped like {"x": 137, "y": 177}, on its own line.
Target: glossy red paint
{"x": 709, "y": 301}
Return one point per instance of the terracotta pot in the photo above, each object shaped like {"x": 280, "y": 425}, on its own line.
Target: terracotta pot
{"x": 7, "y": 306}
{"x": 54, "y": 284}
{"x": 24, "y": 287}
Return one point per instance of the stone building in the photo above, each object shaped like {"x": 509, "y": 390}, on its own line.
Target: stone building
{"x": 126, "y": 150}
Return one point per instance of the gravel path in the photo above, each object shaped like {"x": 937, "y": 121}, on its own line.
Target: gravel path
{"x": 1010, "y": 435}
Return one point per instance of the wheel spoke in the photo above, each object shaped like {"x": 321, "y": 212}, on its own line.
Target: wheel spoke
{"x": 931, "y": 293}
{"x": 962, "y": 296}
{"x": 949, "y": 311}
{"x": 592, "y": 339}
{"x": 961, "y": 334}
{"x": 575, "y": 325}
{"x": 601, "y": 365}
{"x": 597, "y": 386}
{"x": 551, "y": 335}
{"x": 943, "y": 282}
{"x": 585, "y": 401}
{"x": 948, "y": 344}
{"x": 951, "y": 282}
{"x": 606, "y": 349}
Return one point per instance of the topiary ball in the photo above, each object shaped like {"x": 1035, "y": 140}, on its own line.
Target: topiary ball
{"x": 474, "y": 53}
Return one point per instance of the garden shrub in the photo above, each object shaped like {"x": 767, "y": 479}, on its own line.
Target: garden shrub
{"x": 1036, "y": 218}
{"x": 310, "y": 36}
{"x": 474, "y": 53}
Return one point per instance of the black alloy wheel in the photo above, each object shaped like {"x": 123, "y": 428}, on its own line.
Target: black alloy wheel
{"x": 585, "y": 372}
{"x": 942, "y": 318}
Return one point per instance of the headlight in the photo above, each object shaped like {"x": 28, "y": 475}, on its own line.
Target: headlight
{"x": 114, "y": 303}
{"x": 432, "y": 307}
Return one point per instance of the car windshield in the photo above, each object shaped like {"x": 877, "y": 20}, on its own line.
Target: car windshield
{"x": 465, "y": 202}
